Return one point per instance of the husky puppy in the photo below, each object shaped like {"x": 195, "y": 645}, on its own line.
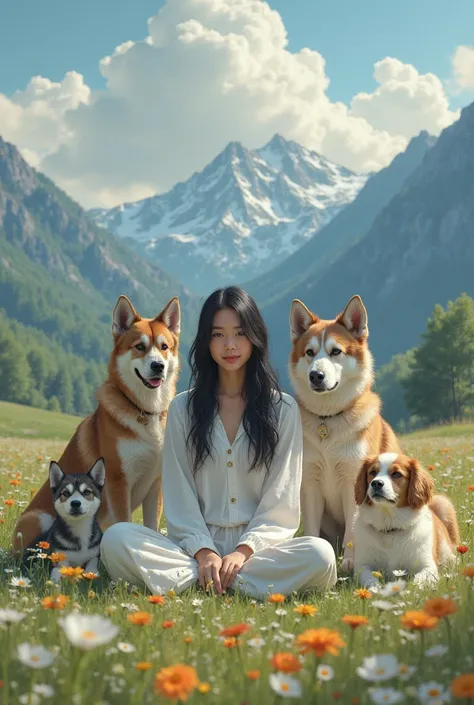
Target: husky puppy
{"x": 75, "y": 531}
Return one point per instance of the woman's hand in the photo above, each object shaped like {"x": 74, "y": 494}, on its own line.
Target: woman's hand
{"x": 232, "y": 563}
{"x": 209, "y": 565}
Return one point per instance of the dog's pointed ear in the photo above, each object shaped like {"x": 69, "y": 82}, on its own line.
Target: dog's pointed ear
{"x": 56, "y": 475}
{"x": 171, "y": 316}
{"x": 123, "y": 317}
{"x": 362, "y": 482}
{"x": 301, "y": 319}
{"x": 420, "y": 486}
{"x": 97, "y": 472}
{"x": 354, "y": 318}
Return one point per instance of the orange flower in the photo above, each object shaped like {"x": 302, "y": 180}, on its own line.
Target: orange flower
{"x": 355, "y": 620}
{"x": 306, "y": 610}
{"x": 143, "y": 666}
{"x": 440, "y": 607}
{"x": 277, "y": 598}
{"x": 418, "y": 620}
{"x": 253, "y": 675}
{"x": 468, "y": 571}
{"x": 72, "y": 573}
{"x": 176, "y": 682}
{"x": 235, "y": 630}
{"x": 320, "y": 641}
{"x": 188, "y": 640}
{"x": 57, "y": 557}
{"x": 204, "y": 688}
{"x": 363, "y": 593}
{"x": 15, "y": 482}
{"x": 463, "y": 686}
{"x": 90, "y": 576}
{"x": 9, "y": 502}
{"x": 56, "y": 602}
{"x": 156, "y": 599}
{"x": 168, "y": 624}
{"x": 430, "y": 468}
{"x": 231, "y": 642}
{"x": 462, "y": 548}
{"x": 43, "y": 544}
{"x": 286, "y": 662}
{"x": 471, "y": 488}
{"x": 142, "y": 619}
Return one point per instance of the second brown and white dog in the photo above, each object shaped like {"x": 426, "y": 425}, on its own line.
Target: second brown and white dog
{"x": 400, "y": 523}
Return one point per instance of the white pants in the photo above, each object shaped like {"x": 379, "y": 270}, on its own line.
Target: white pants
{"x": 143, "y": 556}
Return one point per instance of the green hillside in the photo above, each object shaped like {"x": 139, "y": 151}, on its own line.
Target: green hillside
{"x": 17, "y": 421}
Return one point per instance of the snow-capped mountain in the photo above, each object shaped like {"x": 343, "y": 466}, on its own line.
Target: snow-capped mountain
{"x": 239, "y": 217}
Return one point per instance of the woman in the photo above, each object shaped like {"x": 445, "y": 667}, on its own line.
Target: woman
{"x": 232, "y": 465}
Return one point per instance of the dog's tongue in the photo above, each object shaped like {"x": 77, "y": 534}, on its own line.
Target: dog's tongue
{"x": 154, "y": 382}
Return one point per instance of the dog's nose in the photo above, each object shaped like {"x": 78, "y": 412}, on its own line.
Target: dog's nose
{"x": 316, "y": 376}
{"x": 156, "y": 366}
{"x": 377, "y": 484}
{"x": 75, "y": 504}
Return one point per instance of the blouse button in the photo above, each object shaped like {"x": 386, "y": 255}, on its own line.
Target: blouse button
{"x": 229, "y": 451}
{"x": 230, "y": 464}
{"x": 233, "y": 500}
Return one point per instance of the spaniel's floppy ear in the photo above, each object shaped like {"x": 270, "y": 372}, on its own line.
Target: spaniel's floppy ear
{"x": 362, "y": 482}
{"x": 301, "y": 319}
{"x": 420, "y": 487}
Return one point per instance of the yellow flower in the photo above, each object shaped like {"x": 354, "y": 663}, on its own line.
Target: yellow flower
{"x": 204, "y": 688}
{"x": 418, "y": 620}
{"x": 306, "y": 610}
{"x": 363, "y": 593}
{"x": 320, "y": 641}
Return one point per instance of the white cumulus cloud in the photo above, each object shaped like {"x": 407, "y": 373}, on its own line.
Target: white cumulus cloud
{"x": 463, "y": 67}
{"x": 209, "y": 71}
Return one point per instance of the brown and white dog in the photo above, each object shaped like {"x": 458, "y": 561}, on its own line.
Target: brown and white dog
{"x": 127, "y": 427}
{"x": 400, "y": 524}
{"x": 331, "y": 369}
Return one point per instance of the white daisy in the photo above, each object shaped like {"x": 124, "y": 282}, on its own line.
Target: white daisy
{"x": 325, "y": 673}
{"x": 406, "y": 672}
{"x": 35, "y": 656}
{"x": 432, "y": 693}
{"x": 27, "y": 699}
{"x": 379, "y": 668}
{"x": 20, "y": 582}
{"x": 385, "y": 696}
{"x": 88, "y": 631}
{"x": 126, "y": 648}
{"x": 383, "y": 605}
{"x": 399, "y": 573}
{"x": 391, "y": 589}
{"x": 8, "y": 616}
{"x": 257, "y": 642}
{"x": 46, "y": 691}
{"x": 437, "y": 650}
{"x": 285, "y": 686}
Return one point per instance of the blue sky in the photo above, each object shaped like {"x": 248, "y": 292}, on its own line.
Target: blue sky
{"x": 51, "y": 37}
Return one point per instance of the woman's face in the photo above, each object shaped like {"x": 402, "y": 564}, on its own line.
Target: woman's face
{"x": 229, "y": 346}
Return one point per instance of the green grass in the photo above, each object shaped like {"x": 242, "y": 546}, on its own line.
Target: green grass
{"x": 107, "y": 675}
{"x": 21, "y": 421}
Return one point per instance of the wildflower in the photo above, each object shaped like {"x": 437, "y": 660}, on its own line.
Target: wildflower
{"x": 143, "y": 666}
{"x": 399, "y": 573}
{"x": 385, "y": 696}
{"x": 363, "y": 593}
{"x": 325, "y": 673}
{"x": 44, "y": 690}
{"x": 285, "y": 686}
{"x": 90, "y": 575}
{"x": 125, "y": 648}
{"x": 462, "y": 549}
{"x": 8, "y": 617}
{"x": 253, "y": 674}
{"x": 235, "y": 630}
{"x": 306, "y": 610}
{"x": 256, "y": 643}
{"x": 72, "y": 573}
{"x": 463, "y": 686}
{"x": 57, "y": 557}
{"x": 354, "y": 620}
{"x": 55, "y": 602}
{"x": 406, "y": 671}
{"x": 35, "y": 656}
{"x": 286, "y": 662}
{"x": 432, "y": 693}
{"x": 470, "y": 488}
{"x": 156, "y": 599}
{"x": 440, "y": 607}
{"x": 383, "y": 605}
{"x": 88, "y": 631}
{"x": 437, "y": 650}
{"x": 15, "y": 483}
{"x": 397, "y": 587}
{"x": 418, "y": 620}
{"x": 20, "y": 582}
{"x": 168, "y": 624}
{"x": 141, "y": 619}
{"x": 276, "y": 598}
{"x": 176, "y": 682}
{"x": 468, "y": 570}
{"x": 320, "y": 641}
{"x": 171, "y": 593}
{"x": 188, "y": 640}
{"x": 204, "y": 688}
{"x": 231, "y": 642}
{"x": 9, "y": 502}
{"x": 43, "y": 544}
{"x": 379, "y": 668}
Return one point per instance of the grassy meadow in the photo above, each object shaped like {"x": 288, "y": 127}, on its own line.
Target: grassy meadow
{"x": 95, "y": 642}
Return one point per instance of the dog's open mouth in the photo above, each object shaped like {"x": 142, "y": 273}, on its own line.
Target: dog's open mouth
{"x": 151, "y": 382}
{"x": 315, "y": 388}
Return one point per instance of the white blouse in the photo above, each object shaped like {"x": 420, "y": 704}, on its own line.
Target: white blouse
{"x": 223, "y": 492}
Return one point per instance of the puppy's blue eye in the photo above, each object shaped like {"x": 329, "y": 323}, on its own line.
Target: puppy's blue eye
{"x": 310, "y": 353}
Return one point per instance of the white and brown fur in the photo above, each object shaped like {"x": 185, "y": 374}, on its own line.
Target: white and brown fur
{"x": 336, "y": 385}
{"x": 75, "y": 530}
{"x": 127, "y": 427}
{"x": 400, "y": 523}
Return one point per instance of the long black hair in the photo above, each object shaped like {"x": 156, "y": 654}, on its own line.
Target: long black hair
{"x": 260, "y": 418}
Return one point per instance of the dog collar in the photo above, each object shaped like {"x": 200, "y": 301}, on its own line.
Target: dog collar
{"x": 143, "y": 415}
{"x": 323, "y": 429}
